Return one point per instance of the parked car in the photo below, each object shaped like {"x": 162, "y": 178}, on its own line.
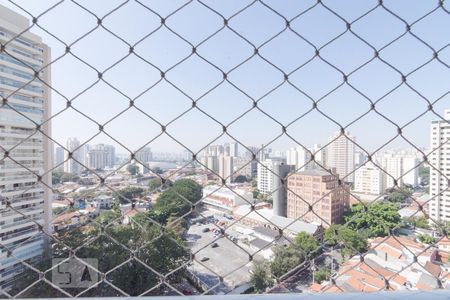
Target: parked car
{"x": 187, "y": 292}
{"x": 214, "y": 245}
{"x": 204, "y": 259}
{"x": 205, "y": 229}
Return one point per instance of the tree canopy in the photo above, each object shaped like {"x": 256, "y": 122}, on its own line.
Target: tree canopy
{"x": 126, "y": 195}
{"x": 132, "y": 169}
{"x": 162, "y": 251}
{"x": 378, "y": 220}
{"x": 177, "y": 200}
{"x": 350, "y": 241}
{"x": 261, "y": 277}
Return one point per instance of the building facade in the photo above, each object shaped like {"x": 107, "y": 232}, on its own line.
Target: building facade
{"x": 439, "y": 159}
{"x": 101, "y": 156}
{"x": 320, "y": 191}
{"x": 370, "y": 180}
{"x": 341, "y": 155}
{"x": 21, "y": 141}
{"x": 73, "y": 164}
{"x": 144, "y": 155}
{"x": 222, "y": 198}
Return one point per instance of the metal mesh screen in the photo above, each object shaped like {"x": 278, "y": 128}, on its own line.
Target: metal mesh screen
{"x": 190, "y": 75}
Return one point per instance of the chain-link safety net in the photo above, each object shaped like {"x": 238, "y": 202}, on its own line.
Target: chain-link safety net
{"x": 223, "y": 83}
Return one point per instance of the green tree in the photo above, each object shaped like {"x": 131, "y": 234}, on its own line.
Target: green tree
{"x": 350, "y": 241}
{"x": 177, "y": 225}
{"x": 378, "y": 220}
{"x": 162, "y": 251}
{"x": 157, "y": 170}
{"x": 306, "y": 243}
{"x": 177, "y": 200}
{"x": 419, "y": 222}
{"x": 260, "y": 276}
{"x": 285, "y": 259}
{"x": 154, "y": 184}
{"x": 240, "y": 179}
{"x": 322, "y": 275}
{"x": 126, "y": 195}
{"x": 424, "y": 175}
{"x": 426, "y": 239}
{"x": 398, "y": 195}
{"x": 66, "y": 177}
{"x": 132, "y": 169}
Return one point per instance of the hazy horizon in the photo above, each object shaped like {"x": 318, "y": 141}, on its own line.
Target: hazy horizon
{"x": 286, "y": 101}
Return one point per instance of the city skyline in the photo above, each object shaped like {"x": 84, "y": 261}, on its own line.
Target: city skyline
{"x": 225, "y": 102}
{"x": 144, "y": 141}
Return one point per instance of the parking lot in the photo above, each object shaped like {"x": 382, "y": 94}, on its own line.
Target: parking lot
{"x": 226, "y": 259}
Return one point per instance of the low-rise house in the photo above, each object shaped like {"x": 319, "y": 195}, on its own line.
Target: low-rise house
{"x": 263, "y": 216}
{"x": 128, "y": 212}
{"x": 67, "y": 220}
{"x": 103, "y": 201}
{"x": 392, "y": 263}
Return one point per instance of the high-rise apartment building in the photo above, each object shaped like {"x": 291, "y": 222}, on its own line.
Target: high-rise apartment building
{"x": 74, "y": 163}
{"x": 266, "y": 176}
{"x": 402, "y": 167}
{"x": 341, "y": 155}
{"x": 245, "y": 166}
{"x": 299, "y": 157}
{"x": 234, "y": 149}
{"x": 369, "y": 180}
{"x": 101, "y": 156}
{"x": 226, "y": 168}
{"x": 392, "y": 163}
{"x": 19, "y": 227}
{"x": 271, "y": 173}
{"x": 59, "y": 157}
{"x": 145, "y": 155}
{"x": 439, "y": 159}
{"x": 411, "y": 170}
{"x": 320, "y": 190}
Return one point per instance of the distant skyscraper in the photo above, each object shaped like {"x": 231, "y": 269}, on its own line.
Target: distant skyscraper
{"x": 299, "y": 157}
{"x": 144, "y": 155}
{"x": 72, "y": 164}
{"x": 320, "y": 157}
{"x": 31, "y": 200}
{"x": 101, "y": 156}
{"x": 226, "y": 168}
{"x": 341, "y": 155}
{"x": 187, "y": 155}
{"x": 59, "y": 156}
{"x": 245, "y": 166}
{"x": 440, "y": 172}
{"x": 234, "y": 149}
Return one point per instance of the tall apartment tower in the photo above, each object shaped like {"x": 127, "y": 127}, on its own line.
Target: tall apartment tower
{"x": 101, "y": 156}
{"x": 31, "y": 199}
{"x": 341, "y": 155}
{"x": 145, "y": 155}
{"x": 72, "y": 165}
{"x": 320, "y": 190}
{"x": 226, "y": 167}
{"x": 234, "y": 149}
{"x": 59, "y": 157}
{"x": 300, "y": 158}
{"x": 370, "y": 180}
{"x": 440, "y": 172}
{"x": 266, "y": 178}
